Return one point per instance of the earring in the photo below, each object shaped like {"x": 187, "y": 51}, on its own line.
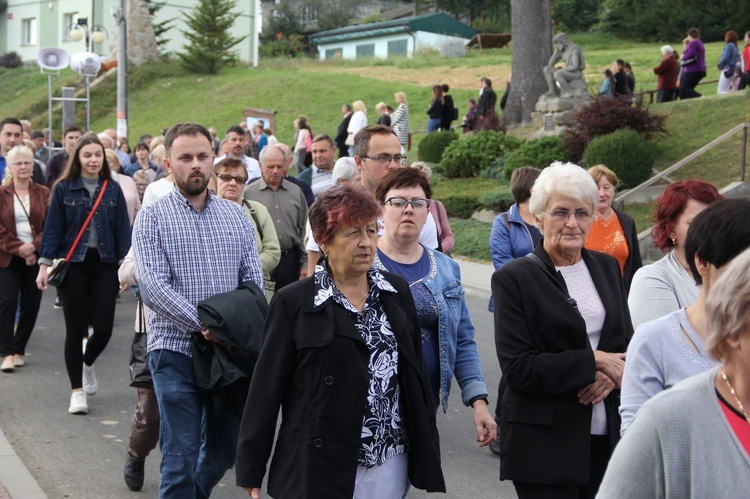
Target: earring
{"x": 674, "y": 241}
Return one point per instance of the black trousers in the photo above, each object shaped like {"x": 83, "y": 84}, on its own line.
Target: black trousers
{"x": 287, "y": 271}
{"x": 688, "y": 84}
{"x": 666, "y": 95}
{"x": 18, "y": 286}
{"x": 88, "y": 296}
{"x": 601, "y": 451}
{"x": 744, "y": 80}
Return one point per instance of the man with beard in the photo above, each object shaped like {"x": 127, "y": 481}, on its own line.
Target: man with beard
{"x": 236, "y": 139}
{"x": 190, "y": 245}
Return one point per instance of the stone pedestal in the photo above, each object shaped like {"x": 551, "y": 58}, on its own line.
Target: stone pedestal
{"x": 552, "y": 112}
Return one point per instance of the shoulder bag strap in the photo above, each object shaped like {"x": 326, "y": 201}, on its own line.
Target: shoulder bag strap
{"x": 20, "y": 201}
{"x": 88, "y": 220}
{"x": 255, "y": 218}
{"x": 564, "y": 290}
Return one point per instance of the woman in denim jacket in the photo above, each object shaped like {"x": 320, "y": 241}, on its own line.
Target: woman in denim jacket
{"x": 90, "y": 287}
{"x": 435, "y": 282}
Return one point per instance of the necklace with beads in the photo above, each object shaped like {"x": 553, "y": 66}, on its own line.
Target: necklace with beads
{"x": 734, "y": 394}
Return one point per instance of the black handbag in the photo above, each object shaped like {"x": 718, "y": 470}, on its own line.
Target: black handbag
{"x": 140, "y": 374}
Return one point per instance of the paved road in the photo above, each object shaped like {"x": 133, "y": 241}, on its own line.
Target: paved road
{"x": 83, "y": 456}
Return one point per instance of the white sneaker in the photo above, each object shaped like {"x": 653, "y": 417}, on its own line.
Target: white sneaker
{"x": 78, "y": 403}
{"x": 90, "y": 386}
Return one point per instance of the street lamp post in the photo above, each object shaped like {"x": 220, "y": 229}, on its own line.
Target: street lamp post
{"x": 93, "y": 34}
{"x": 122, "y": 70}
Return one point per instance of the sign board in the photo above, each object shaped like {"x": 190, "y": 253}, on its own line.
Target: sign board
{"x": 549, "y": 122}
{"x": 252, "y": 115}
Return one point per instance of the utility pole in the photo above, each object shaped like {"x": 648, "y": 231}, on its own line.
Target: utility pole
{"x": 122, "y": 70}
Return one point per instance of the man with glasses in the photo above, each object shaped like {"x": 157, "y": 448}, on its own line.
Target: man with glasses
{"x": 377, "y": 150}
{"x": 230, "y": 184}
{"x": 288, "y": 208}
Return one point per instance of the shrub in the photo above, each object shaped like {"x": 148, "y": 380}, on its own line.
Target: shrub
{"x": 469, "y": 155}
{"x": 10, "y": 60}
{"x": 432, "y": 146}
{"x": 626, "y": 153}
{"x": 605, "y": 115}
{"x": 498, "y": 200}
{"x": 539, "y": 153}
{"x": 460, "y": 206}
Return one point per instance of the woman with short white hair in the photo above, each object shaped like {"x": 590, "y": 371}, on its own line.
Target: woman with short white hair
{"x": 693, "y": 440}
{"x": 561, "y": 327}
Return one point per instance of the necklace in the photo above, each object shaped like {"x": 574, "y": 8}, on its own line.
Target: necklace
{"x": 734, "y": 394}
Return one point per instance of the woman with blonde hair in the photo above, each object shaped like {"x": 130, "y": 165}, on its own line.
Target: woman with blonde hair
{"x": 357, "y": 123}
{"x": 23, "y": 210}
{"x": 400, "y": 120}
{"x": 382, "y": 110}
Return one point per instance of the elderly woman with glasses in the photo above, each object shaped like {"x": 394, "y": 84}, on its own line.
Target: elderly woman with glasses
{"x": 342, "y": 358}
{"x": 435, "y": 282}
{"x": 693, "y": 440}
{"x": 561, "y": 327}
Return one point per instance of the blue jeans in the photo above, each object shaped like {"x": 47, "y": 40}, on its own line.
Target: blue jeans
{"x": 197, "y": 445}
{"x": 433, "y": 124}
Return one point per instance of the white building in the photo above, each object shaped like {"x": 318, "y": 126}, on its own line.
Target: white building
{"x": 28, "y": 25}
{"x": 398, "y": 37}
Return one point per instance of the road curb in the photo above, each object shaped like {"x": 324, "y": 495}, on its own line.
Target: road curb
{"x": 15, "y": 479}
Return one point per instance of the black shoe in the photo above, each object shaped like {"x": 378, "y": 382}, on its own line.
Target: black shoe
{"x": 134, "y": 474}
{"x": 58, "y": 302}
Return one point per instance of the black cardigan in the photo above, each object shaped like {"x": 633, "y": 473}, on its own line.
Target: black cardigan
{"x": 546, "y": 358}
{"x": 634, "y": 261}
{"x": 313, "y": 364}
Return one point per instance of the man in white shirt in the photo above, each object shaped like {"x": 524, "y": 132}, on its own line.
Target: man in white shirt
{"x": 236, "y": 137}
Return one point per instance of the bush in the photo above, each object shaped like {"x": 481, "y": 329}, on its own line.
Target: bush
{"x": 539, "y": 153}
{"x": 606, "y": 115}
{"x": 432, "y": 146}
{"x": 10, "y": 60}
{"x": 498, "y": 200}
{"x": 626, "y": 153}
{"x": 469, "y": 155}
{"x": 460, "y": 206}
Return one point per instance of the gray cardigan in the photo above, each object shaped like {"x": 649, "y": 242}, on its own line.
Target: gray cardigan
{"x": 660, "y": 288}
{"x": 680, "y": 445}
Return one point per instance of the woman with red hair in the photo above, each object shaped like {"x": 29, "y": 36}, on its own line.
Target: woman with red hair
{"x": 667, "y": 285}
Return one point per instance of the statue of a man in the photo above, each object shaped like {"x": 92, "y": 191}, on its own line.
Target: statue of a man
{"x": 572, "y": 57}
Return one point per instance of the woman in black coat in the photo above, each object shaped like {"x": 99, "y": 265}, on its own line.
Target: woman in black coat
{"x": 342, "y": 357}
{"x": 561, "y": 327}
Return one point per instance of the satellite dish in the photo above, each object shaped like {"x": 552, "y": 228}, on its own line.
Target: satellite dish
{"x": 52, "y": 58}
{"x": 85, "y": 63}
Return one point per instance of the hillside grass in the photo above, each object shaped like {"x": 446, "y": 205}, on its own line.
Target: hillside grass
{"x": 163, "y": 94}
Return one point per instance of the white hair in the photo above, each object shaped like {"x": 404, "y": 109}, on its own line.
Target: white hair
{"x": 344, "y": 169}
{"x": 104, "y": 137}
{"x": 563, "y": 179}
{"x": 667, "y": 50}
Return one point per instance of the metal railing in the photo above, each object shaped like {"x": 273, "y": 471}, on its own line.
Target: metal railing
{"x": 651, "y": 93}
{"x": 742, "y": 127}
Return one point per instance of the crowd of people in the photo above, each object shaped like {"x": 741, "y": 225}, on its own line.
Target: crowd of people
{"x": 368, "y": 323}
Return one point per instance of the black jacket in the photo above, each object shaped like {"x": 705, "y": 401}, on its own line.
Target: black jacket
{"x": 314, "y": 366}
{"x": 487, "y": 102}
{"x": 435, "y": 111}
{"x": 342, "y": 132}
{"x": 634, "y": 261}
{"x": 546, "y": 358}
{"x": 449, "y": 112}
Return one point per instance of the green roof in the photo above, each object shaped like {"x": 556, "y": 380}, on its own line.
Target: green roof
{"x": 439, "y": 23}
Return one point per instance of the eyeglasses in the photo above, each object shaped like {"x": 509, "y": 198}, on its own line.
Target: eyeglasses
{"x": 401, "y": 202}
{"x": 564, "y": 215}
{"x": 228, "y": 178}
{"x": 386, "y": 159}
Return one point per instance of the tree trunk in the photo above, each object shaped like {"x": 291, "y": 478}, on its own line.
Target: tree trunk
{"x": 532, "y": 48}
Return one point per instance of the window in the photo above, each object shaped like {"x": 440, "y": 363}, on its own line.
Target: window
{"x": 69, "y": 20}
{"x": 29, "y": 31}
{"x": 366, "y": 50}
{"x": 397, "y": 47}
{"x": 333, "y": 53}
{"x": 309, "y": 13}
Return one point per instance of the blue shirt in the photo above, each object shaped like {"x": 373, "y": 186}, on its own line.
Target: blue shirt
{"x": 183, "y": 256}
{"x": 2, "y": 167}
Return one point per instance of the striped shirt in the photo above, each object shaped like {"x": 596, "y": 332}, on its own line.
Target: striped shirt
{"x": 183, "y": 256}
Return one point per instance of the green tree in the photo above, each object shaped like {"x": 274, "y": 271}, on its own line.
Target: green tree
{"x": 285, "y": 22}
{"x": 210, "y": 43}
{"x": 160, "y": 29}
{"x": 576, "y": 16}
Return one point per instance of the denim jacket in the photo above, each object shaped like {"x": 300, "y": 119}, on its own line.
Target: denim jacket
{"x": 458, "y": 351}
{"x": 509, "y": 241}
{"x": 68, "y": 210}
